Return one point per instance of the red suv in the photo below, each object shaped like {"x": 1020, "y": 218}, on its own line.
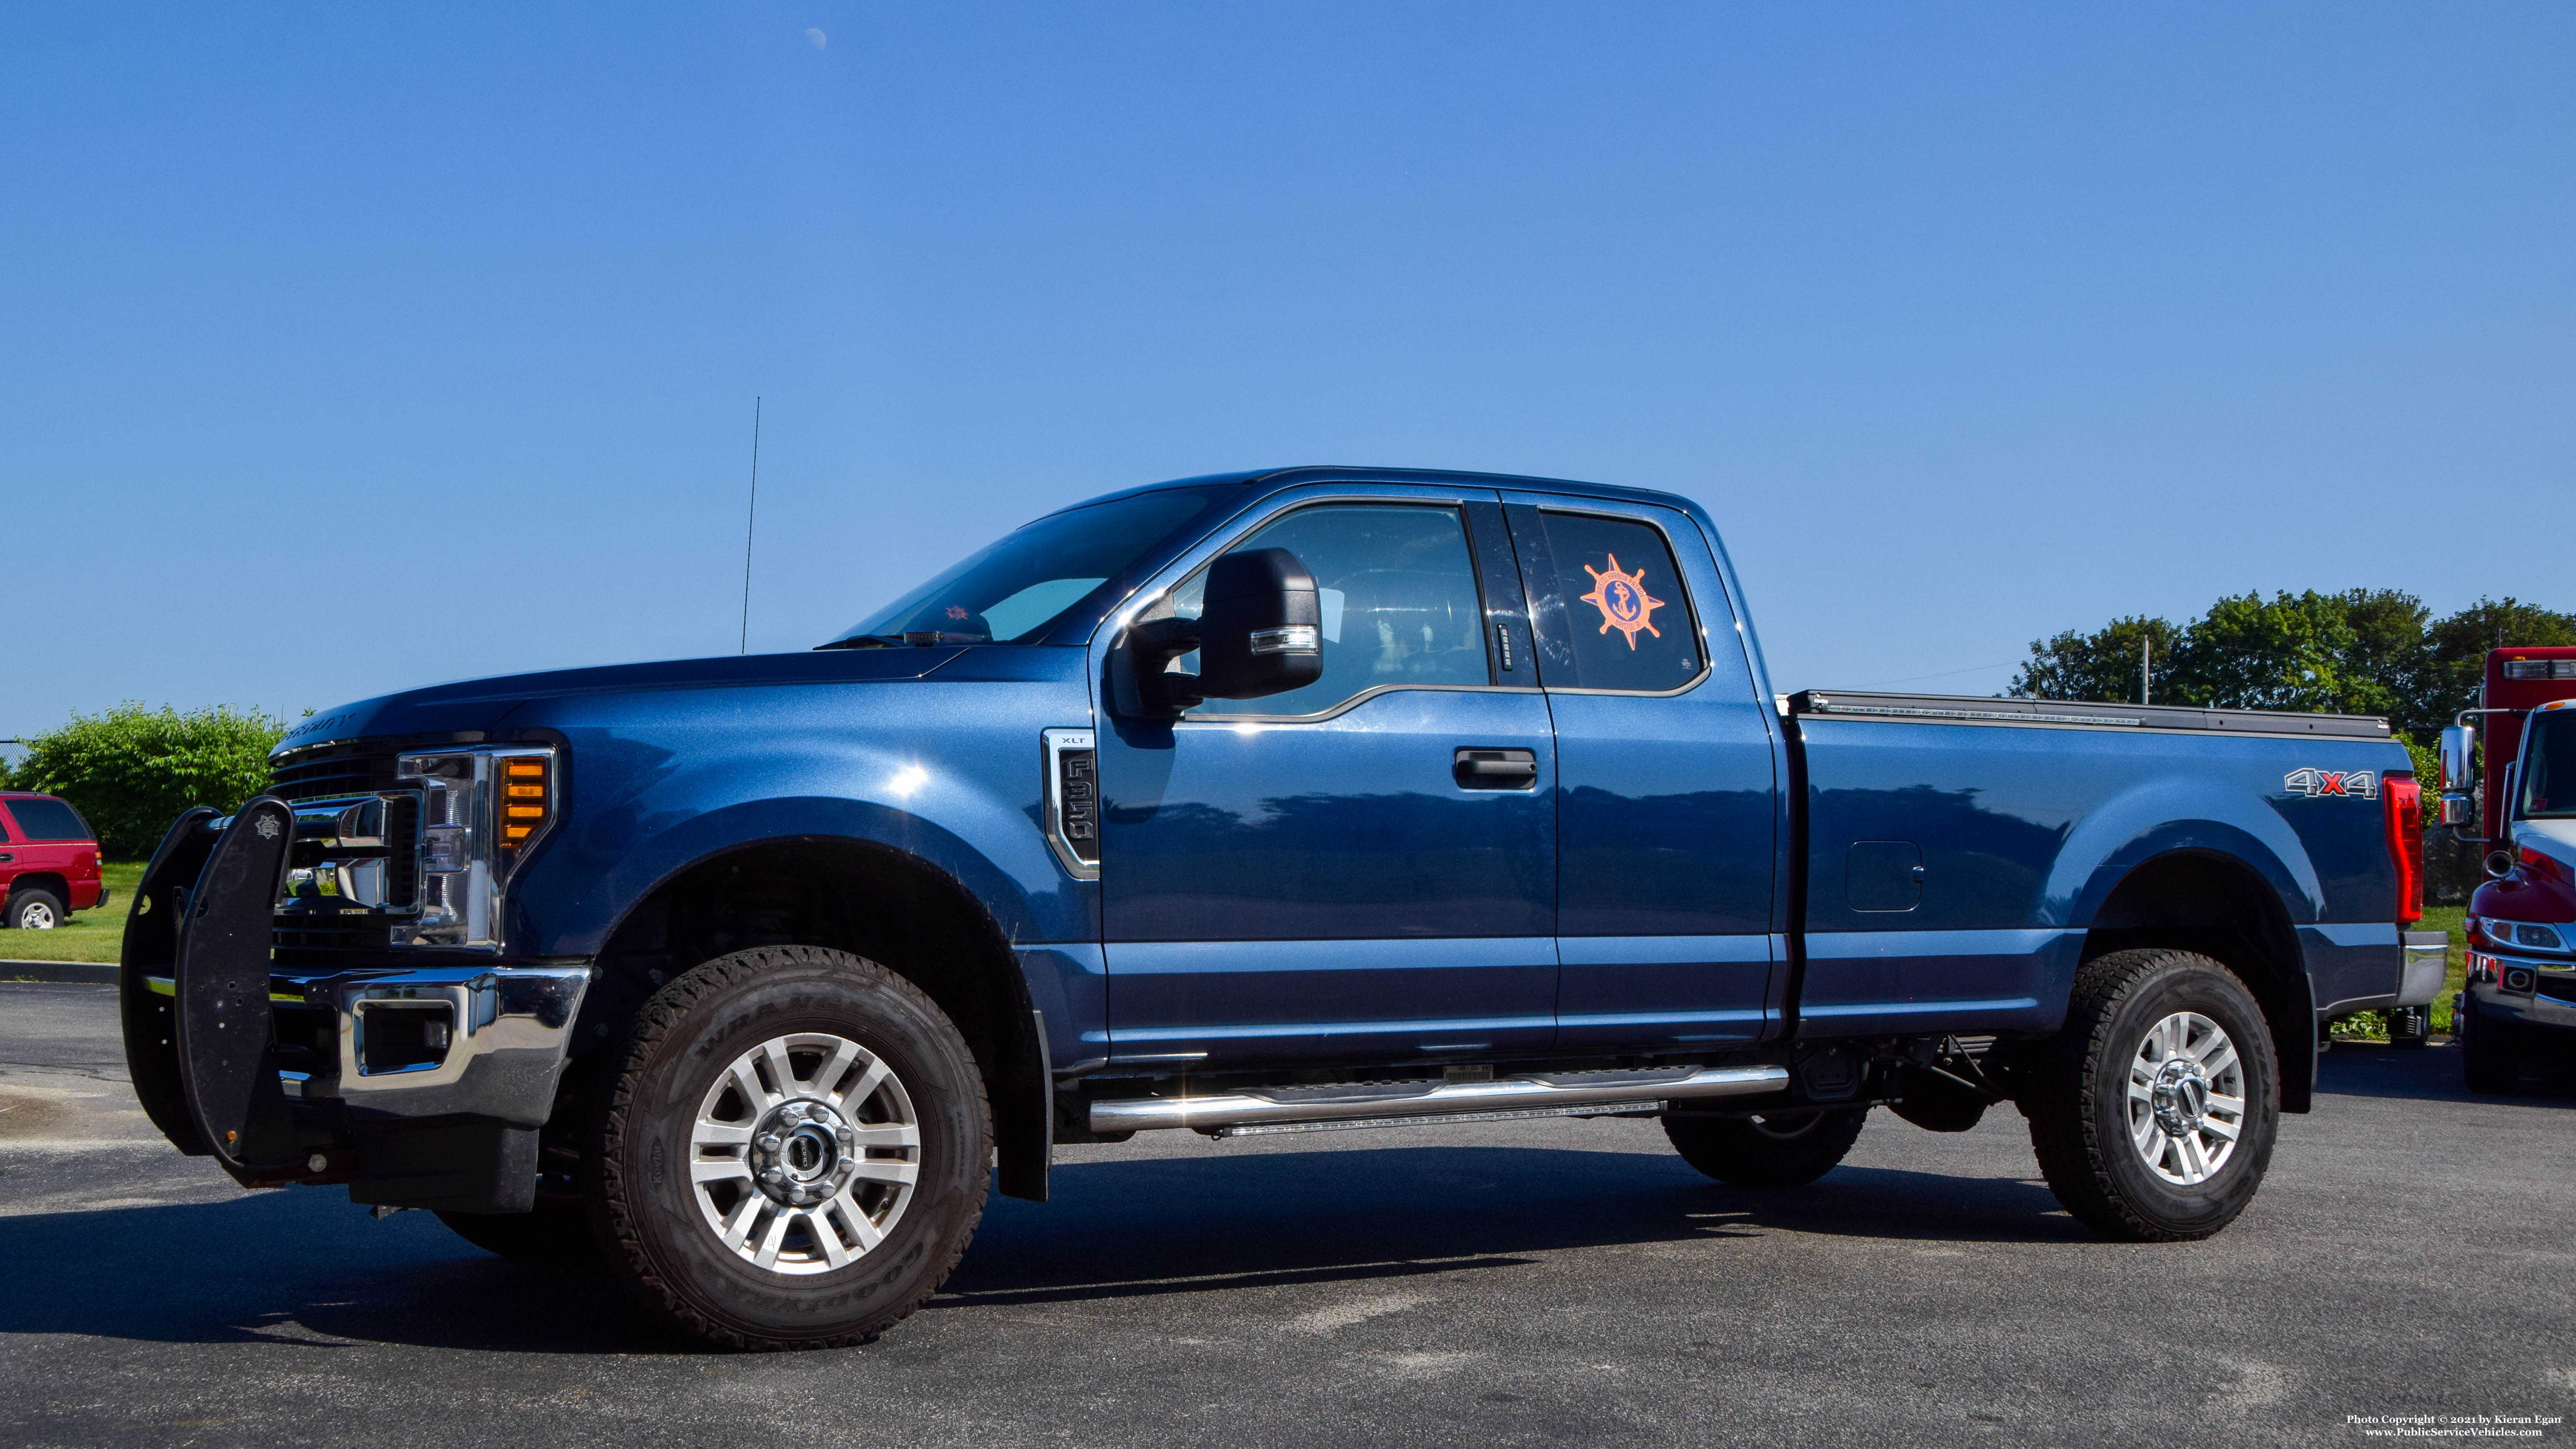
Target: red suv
{"x": 48, "y": 862}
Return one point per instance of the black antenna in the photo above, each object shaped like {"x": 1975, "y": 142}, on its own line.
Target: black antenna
{"x": 751, "y": 517}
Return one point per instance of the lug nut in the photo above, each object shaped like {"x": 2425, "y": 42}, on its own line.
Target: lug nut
{"x": 769, "y": 1143}
{"x": 848, "y": 1136}
{"x": 773, "y": 1175}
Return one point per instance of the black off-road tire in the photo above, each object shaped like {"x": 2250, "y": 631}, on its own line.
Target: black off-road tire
{"x": 1782, "y": 1149}
{"x": 2491, "y": 1051}
{"x": 32, "y": 899}
{"x": 2076, "y": 1096}
{"x": 647, "y": 1212}
{"x": 556, "y": 1233}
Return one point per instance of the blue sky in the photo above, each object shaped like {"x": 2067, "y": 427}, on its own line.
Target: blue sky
{"x": 352, "y": 348}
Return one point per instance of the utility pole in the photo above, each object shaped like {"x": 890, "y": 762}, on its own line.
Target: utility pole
{"x": 2146, "y": 663}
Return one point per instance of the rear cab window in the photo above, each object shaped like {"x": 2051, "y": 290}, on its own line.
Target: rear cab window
{"x": 1609, "y": 604}
{"x": 44, "y": 822}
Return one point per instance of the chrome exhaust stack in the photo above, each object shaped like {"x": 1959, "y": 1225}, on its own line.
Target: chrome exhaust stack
{"x": 1550, "y": 1094}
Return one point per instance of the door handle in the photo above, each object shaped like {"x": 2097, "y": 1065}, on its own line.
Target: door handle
{"x": 1494, "y": 769}
{"x": 6, "y": 857}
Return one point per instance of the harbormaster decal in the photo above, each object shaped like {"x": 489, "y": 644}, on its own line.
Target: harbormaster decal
{"x": 1622, "y": 600}
{"x": 2312, "y": 782}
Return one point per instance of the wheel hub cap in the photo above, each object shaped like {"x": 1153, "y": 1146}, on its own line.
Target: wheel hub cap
{"x": 800, "y": 1153}
{"x": 2181, "y": 1096}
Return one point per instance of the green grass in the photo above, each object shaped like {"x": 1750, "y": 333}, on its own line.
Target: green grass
{"x": 84, "y": 935}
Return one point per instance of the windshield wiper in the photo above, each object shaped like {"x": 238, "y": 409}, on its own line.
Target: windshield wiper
{"x": 918, "y": 639}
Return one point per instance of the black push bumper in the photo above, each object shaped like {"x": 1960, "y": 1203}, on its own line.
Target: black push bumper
{"x": 417, "y": 1086}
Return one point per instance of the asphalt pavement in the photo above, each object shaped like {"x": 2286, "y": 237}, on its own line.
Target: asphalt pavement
{"x": 1552, "y": 1282}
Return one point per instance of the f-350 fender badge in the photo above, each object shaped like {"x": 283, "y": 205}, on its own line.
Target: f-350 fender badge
{"x": 2312, "y": 782}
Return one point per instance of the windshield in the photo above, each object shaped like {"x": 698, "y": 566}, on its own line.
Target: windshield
{"x": 2549, "y": 751}
{"x": 1011, "y": 591}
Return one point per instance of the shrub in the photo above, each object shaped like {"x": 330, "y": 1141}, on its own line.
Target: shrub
{"x": 131, "y": 770}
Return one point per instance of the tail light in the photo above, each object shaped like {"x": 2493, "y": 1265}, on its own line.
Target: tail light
{"x": 2404, "y": 802}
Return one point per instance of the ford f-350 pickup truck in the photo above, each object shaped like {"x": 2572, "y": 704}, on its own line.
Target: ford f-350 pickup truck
{"x": 1275, "y": 801}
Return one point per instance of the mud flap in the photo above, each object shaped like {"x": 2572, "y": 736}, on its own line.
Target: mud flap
{"x": 152, "y": 949}
{"x": 225, "y": 1067}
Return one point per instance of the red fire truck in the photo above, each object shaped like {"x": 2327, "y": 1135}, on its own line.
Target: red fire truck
{"x": 2520, "y": 1001}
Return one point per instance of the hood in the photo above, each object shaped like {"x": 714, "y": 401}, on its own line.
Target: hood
{"x": 2554, "y": 839}
{"x": 472, "y": 706}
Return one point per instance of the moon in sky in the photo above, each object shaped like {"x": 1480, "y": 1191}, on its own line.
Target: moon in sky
{"x": 819, "y": 38}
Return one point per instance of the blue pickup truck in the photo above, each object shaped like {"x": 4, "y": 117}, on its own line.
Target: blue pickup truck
{"x": 1277, "y": 801}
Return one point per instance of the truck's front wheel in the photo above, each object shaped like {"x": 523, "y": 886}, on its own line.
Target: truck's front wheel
{"x": 2154, "y": 1110}
{"x": 1775, "y": 1149}
{"x": 794, "y": 1153}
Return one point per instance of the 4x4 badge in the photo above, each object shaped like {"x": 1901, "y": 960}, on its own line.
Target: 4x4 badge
{"x": 2312, "y": 782}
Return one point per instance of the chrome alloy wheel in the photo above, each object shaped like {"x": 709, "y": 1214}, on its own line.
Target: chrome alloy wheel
{"x": 804, "y": 1153}
{"x": 37, "y": 916}
{"x": 2186, "y": 1098}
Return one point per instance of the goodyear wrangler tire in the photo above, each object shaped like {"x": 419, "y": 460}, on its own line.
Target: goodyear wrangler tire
{"x": 1780, "y": 1149}
{"x": 794, "y": 1151}
{"x": 2153, "y": 1111}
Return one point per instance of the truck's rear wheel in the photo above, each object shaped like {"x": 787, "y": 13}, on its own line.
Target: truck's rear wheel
{"x": 2154, "y": 1110}
{"x": 34, "y": 910}
{"x": 2491, "y": 1051}
{"x": 1775, "y": 1149}
{"x": 794, "y": 1152}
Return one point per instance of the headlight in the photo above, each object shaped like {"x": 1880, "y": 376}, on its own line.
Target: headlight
{"x": 2524, "y": 933}
{"x": 480, "y": 812}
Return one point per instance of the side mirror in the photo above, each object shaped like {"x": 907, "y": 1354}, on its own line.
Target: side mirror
{"x": 1261, "y": 626}
{"x": 2458, "y": 810}
{"x": 1259, "y": 632}
{"x": 2457, "y": 743}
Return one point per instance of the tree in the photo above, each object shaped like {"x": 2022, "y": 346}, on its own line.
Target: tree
{"x": 2362, "y": 651}
{"x": 2295, "y": 652}
{"x": 131, "y": 770}
{"x": 2455, "y": 657}
{"x": 2102, "y": 665}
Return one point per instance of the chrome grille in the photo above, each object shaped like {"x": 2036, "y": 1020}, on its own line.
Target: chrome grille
{"x": 332, "y": 770}
{"x": 336, "y": 772}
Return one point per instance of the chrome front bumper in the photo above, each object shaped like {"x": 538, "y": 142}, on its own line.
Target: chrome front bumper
{"x": 466, "y": 1041}
{"x": 2535, "y": 989}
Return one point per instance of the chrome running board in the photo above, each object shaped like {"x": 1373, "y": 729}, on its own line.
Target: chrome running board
{"x": 1449, "y": 1100}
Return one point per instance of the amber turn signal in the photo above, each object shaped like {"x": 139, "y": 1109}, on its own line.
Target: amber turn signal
{"x": 524, "y": 799}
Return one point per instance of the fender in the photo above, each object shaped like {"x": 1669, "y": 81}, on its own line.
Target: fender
{"x": 2159, "y": 816}
{"x": 656, "y": 784}
{"x": 2116, "y": 840}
